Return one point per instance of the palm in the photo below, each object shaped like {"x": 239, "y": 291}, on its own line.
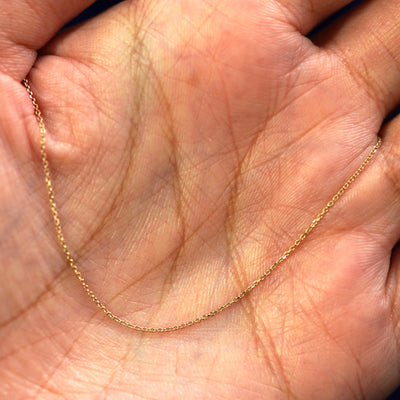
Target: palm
{"x": 190, "y": 146}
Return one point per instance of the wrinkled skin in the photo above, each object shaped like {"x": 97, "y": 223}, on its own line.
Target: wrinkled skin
{"x": 190, "y": 143}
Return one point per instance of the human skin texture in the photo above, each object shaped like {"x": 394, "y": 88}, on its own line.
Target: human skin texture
{"x": 190, "y": 144}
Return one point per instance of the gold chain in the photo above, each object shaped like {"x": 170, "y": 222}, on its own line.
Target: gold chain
{"x": 197, "y": 320}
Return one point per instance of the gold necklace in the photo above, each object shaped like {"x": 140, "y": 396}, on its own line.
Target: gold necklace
{"x": 256, "y": 282}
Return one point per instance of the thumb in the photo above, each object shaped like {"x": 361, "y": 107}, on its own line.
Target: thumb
{"x": 26, "y": 25}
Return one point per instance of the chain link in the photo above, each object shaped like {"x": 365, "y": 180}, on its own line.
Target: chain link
{"x": 243, "y": 293}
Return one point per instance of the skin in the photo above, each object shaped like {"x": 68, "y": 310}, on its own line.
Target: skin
{"x": 190, "y": 144}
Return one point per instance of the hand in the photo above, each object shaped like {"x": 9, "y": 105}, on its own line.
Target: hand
{"x": 190, "y": 144}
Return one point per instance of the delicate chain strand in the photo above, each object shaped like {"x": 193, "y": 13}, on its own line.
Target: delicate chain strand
{"x": 210, "y": 314}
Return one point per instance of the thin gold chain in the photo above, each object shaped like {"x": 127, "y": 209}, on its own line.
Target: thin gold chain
{"x": 243, "y": 293}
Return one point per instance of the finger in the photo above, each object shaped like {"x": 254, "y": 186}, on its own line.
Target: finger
{"x": 373, "y": 208}
{"x": 26, "y": 25}
{"x": 366, "y": 42}
{"x": 377, "y": 200}
{"x": 305, "y": 15}
{"x": 393, "y": 287}
{"x": 390, "y": 178}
